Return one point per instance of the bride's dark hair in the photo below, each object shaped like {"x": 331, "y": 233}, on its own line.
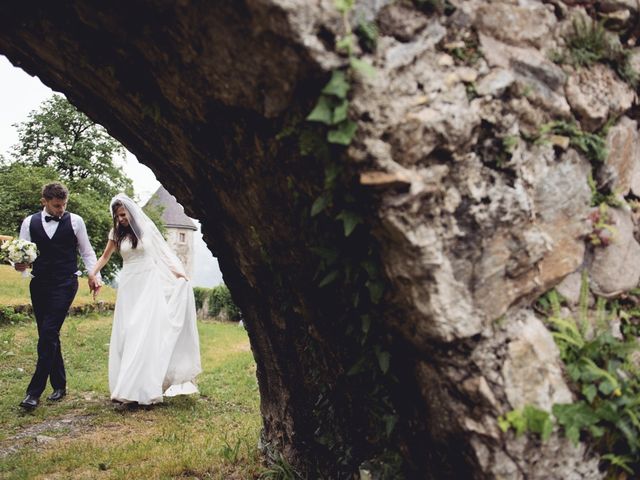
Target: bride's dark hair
{"x": 120, "y": 232}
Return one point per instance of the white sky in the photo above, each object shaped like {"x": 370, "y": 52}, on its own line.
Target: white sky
{"x": 21, "y": 93}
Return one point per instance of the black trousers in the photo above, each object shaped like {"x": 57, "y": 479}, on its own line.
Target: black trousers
{"x": 51, "y": 299}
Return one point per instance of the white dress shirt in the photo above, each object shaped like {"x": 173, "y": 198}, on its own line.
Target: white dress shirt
{"x": 80, "y": 230}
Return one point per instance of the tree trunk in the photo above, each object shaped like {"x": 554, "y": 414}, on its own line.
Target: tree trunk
{"x": 398, "y": 344}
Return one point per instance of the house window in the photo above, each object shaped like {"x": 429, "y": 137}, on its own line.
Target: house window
{"x": 182, "y": 237}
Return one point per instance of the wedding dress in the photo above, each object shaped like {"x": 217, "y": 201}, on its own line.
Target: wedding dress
{"x": 154, "y": 349}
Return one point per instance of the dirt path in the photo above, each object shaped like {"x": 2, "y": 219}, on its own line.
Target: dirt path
{"x": 50, "y": 430}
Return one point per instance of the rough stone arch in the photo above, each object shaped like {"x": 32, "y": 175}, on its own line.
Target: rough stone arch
{"x": 213, "y": 95}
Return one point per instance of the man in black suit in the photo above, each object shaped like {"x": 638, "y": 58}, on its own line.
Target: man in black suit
{"x": 59, "y": 235}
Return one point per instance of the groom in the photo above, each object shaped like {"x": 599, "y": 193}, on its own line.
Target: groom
{"x": 59, "y": 235}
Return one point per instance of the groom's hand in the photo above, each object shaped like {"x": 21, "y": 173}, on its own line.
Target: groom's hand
{"x": 94, "y": 285}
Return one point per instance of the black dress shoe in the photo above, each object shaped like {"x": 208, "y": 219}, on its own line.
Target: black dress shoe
{"x": 57, "y": 395}
{"x": 30, "y": 402}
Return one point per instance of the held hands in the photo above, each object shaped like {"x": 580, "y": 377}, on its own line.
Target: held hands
{"x": 94, "y": 285}
{"x": 21, "y": 267}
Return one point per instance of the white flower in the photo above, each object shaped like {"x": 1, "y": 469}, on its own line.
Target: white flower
{"x": 19, "y": 251}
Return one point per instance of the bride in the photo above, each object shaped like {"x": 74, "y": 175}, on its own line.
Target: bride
{"x": 154, "y": 349}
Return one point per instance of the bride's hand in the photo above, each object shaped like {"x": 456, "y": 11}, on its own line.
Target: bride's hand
{"x": 181, "y": 275}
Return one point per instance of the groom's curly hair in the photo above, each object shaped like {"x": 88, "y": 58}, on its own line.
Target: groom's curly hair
{"x": 55, "y": 190}
{"x": 120, "y": 232}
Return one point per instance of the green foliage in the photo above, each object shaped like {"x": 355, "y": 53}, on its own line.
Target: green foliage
{"x": 200, "y": 294}
{"x": 528, "y": 419}
{"x": 59, "y": 143}
{"x": 232, "y": 452}
{"x": 593, "y": 145}
{"x": 20, "y": 188}
{"x": 154, "y": 212}
{"x": 590, "y": 42}
{"x": 605, "y": 378}
{"x": 279, "y": 469}
{"x": 349, "y": 288}
{"x": 352, "y": 284}
{"x": 220, "y": 301}
{"x": 367, "y": 33}
{"x": 9, "y": 315}
{"x": 613, "y": 199}
{"x": 466, "y": 51}
{"x": 57, "y": 135}
{"x": 332, "y": 107}
{"x": 603, "y": 232}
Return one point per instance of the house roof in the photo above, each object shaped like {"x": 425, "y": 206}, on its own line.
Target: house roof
{"x": 173, "y": 213}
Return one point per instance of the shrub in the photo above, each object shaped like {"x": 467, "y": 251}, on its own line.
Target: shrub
{"x": 220, "y": 300}
{"x": 9, "y": 315}
{"x": 200, "y": 294}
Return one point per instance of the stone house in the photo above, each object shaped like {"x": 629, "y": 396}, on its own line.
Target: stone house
{"x": 180, "y": 228}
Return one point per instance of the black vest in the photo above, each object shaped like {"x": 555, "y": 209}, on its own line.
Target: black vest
{"x": 57, "y": 257}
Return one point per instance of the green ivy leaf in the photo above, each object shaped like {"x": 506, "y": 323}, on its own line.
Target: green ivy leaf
{"x": 338, "y": 85}
{"x": 329, "y": 278}
{"x": 589, "y": 391}
{"x": 345, "y": 44}
{"x": 606, "y": 387}
{"x": 370, "y": 267}
{"x": 356, "y": 368}
{"x": 517, "y": 421}
{"x": 390, "y": 423}
{"x": 366, "y": 324}
{"x": 340, "y": 112}
{"x": 574, "y": 417}
{"x": 538, "y": 421}
{"x": 349, "y": 220}
{"x": 322, "y": 112}
{"x": 343, "y": 134}
{"x": 384, "y": 359}
{"x": 344, "y": 6}
{"x": 363, "y": 67}
{"x": 376, "y": 289}
{"x": 331, "y": 173}
{"x": 328, "y": 254}
{"x": 503, "y": 423}
{"x": 320, "y": 203}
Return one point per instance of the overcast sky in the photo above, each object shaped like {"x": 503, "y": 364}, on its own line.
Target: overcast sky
{"x": 21, "y": 93}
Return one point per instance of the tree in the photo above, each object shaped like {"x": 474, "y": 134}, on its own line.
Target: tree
{"x": 59, "y": 143}
{"x": 57, "y": 135}
{"x": 20, "y": 187}
{"x": 154, "y": 212}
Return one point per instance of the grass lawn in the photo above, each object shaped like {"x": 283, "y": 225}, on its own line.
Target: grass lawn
{"x": 210, "y": 435}
{"x": 14, "y": 289}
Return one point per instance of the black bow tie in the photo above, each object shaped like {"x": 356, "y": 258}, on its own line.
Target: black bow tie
{"x": 48, "y": 218}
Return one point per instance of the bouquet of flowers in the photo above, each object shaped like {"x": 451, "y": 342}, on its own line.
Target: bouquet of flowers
{"x": 18, "y": 251}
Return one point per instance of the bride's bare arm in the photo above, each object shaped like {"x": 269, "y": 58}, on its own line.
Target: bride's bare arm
{"x": 104, "y": 258}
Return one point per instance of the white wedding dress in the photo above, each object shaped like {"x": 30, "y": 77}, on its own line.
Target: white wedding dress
{"x": 154, "y": 349}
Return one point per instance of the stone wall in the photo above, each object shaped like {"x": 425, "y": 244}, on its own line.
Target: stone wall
{"x": 482, "y": 134}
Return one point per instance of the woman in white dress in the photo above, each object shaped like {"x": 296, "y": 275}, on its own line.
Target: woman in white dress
{"x": 154, "y": 349}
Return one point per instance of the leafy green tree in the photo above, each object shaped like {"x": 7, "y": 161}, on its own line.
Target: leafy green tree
{"x": 154, "y": 212}
{"x": 57, "y": 135}
{"x": 20, "y": 187}
{"x": 57, "y": 142}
